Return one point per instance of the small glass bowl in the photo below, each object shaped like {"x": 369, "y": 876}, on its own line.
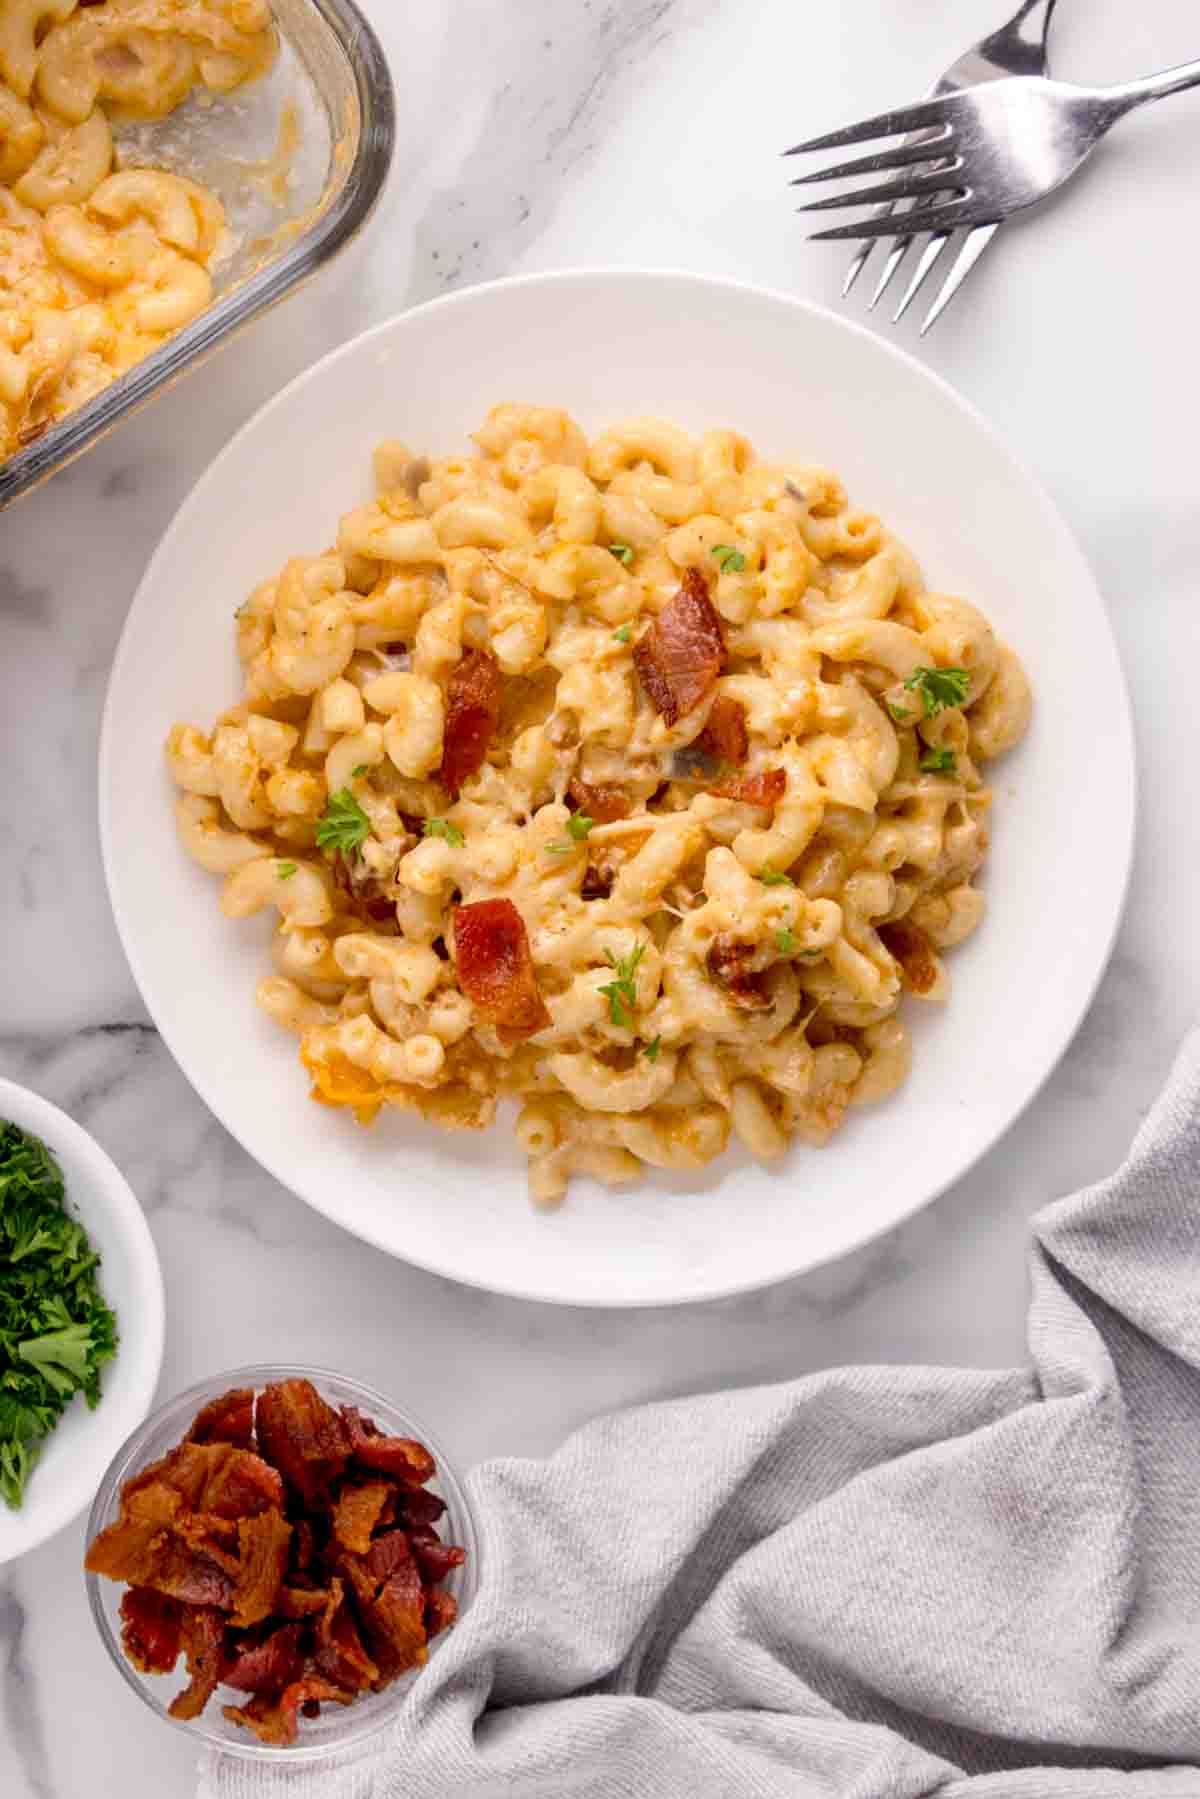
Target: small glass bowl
{"x": 338, "y": 1726}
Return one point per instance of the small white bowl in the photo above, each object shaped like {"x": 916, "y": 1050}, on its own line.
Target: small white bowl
{"x": 74, "y": 1457}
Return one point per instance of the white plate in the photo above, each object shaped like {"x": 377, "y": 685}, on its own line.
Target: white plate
{"x": 67, "y": 1473}
{"x": 798, "y": 381}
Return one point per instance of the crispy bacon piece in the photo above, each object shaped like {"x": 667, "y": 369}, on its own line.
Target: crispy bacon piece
{"x": 276, "y": 1722}
{"x": 150, "y": 1630}
{"x": 434, "y": 1558}
{"x": 766, "y": 788}
{"x": 214, "y": 1477}
{"x": 300, "y": 1602}
{"x": 203, "y": 1635}
{"x": 495, "y": 968}
{"x": 340, "y": 1655}
{"x": 363, "y": 888}
{"x": 386, "y": 1554}
{"x": 141, "y": 1549}
{"x": 727, "y": 961}
{"x": 263, "y": 1543}
{"x": 913, "y": 951}
{"x": 267, "y": 1666}
{"x": 725, "y": 735}
{"x": 402, "y": 1457}
{"x": 393, "y": 1619}
{"x": 472, "y": 714}
{"x": 303, "y": 1437}
{"x": 441, "y": 1609}
{"x": 420, "y": 1508}
{"x": 358, "y": 1511}
{"x": 680, "y": 656}
{"x": 229, "y": 1419}
{"x": 602, "y": 804}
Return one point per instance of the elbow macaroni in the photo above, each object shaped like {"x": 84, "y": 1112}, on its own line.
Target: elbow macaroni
{"x": 710, "y": 965}
{"x": 99, "y": 265}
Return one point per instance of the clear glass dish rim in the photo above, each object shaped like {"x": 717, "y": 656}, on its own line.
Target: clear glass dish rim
{"x": 183, "y": 1406}
{"x": 329, "y": 233}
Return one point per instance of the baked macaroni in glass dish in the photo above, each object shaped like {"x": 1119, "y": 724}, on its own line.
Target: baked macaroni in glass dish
{"x": 99, "y": 265}
{"x": 636, "y": 779}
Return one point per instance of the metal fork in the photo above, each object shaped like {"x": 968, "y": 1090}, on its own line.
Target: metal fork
{"x": 985, "y": 152}
{"x": 1017, "y": 48}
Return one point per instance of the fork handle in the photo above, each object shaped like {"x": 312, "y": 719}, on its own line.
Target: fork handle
{"x": 1154, "y": 87}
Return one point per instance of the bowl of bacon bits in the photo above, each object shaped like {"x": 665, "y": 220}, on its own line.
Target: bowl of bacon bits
{"x": 273, "y": 1557}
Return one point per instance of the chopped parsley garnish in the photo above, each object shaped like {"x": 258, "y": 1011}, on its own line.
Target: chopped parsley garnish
{"x": 899, "y": 714}
{"x": 55, "y": 1329}
{"x": 578, "y": 826}
{"x": 652, "y": 1048}
{"x": 624, "y": 634}
{"x": 343, "y": 825}
{"x": 939, "y": 687}
{"x": 774, "y": 877}
{"x": 620, "y": 992}
{"x": 285, "y": 870}
{"x": 622, "y": 551}
{"x": 730, "y": 558}
{"x": 785, "y": 942}
{"x": 441, "y": 827}
{"x": 938, "y": 762}
{"x": 356, "y": 772}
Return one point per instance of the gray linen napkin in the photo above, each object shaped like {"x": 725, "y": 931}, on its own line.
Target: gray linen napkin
{"x": 876, "y": 1583}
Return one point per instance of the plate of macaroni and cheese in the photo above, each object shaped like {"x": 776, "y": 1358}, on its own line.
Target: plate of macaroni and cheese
{"x": 627, "y": 787}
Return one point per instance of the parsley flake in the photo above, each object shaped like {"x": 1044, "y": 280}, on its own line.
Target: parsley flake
{"x": 621, "y": 993}
{"x": 774, "y": 877}
{"x": 622, "y": 551}
{"x": 652, "y": 1048}
{"x": 785, "y": 942}
{"x": 938, "y": 762}
{"x": 624, "y": 634}
{"x": 730, "y": 558}
{"x": 578, "y": 826}
{"x": 343, "y": 825}
{"x": 939, "y": 687}
{"x": 285, "y": 870}
{"x": 356, "y": 772}
{"x": 441, "y": 827}
{"x": 899, "y": 714}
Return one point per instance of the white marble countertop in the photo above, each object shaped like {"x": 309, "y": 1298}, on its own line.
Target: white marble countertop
{"x": 538, "y": 135}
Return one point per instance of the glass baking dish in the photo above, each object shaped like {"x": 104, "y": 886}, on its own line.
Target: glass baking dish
{"x": 298, "y": 158}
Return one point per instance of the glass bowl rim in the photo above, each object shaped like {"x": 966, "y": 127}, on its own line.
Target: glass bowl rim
{"x": 180, "y": 1405}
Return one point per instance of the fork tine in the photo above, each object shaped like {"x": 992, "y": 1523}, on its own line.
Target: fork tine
{"x": 901, "y": 157}
{"x": 968, "y": 256}
{"x": 910, "y": 187}
{"x": 895, "y": 257}
{"x": 885, "y": 124}
{"x": 860, "y": 259}
{"x": 929, "y": 256}
{"x": 934, "y": 218}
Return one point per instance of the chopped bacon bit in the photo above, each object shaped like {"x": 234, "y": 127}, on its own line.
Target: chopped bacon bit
{"x": 357, "y": 1514}
{"x": 393, "y": 1619}
{"x": 264, "y": 1542}
{"x": 680, "y": 656}
{"x": 270, "y": 1665}
{"x": 150, "y": 1630}
{"x": 388, "y": 1553}
{"x": 419, "y": 1508}
{"x": 472, "y": 714}
{"x": 913, "y": 951}
{"x": 766, "y": 788}
{"x": 304, "y": 1438}
{"x": 277, "y": 1723}
{"x": 229, "y": 1419}
{"x": 725, "y": 735}
{"x": 434, "y": 1558}
{"x": 203, "y": 1633}
{"x": 336, "y": 1599}
{"x": 604, "y": 805}
{"x": 364, "y": 888}
{"x": 441, "y": 1610}
{"x": 727, "y": 963}
{"x": 495, "y": 968}
{"x": 340, "y": 1654}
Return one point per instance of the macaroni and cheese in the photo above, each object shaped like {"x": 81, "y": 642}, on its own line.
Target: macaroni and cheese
{"x": 636, "y": 779}
{"x": 100, "y": 264}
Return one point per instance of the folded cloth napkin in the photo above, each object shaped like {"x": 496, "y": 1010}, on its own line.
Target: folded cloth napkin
{"x": 876, "y": 1583}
